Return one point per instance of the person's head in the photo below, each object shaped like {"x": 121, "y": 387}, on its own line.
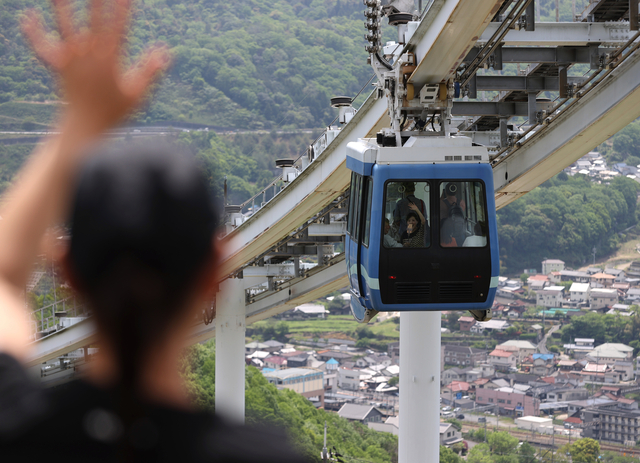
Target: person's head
{"x": 387, "y": 226}
{"x": 413, "y": 221}
{"x": 451, "y": 191}
{"x": 142, "y": 226}
{"x": 409, "y": 188}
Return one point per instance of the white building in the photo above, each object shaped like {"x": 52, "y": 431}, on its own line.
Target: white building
{"x": 535, "y": 423}
{"x": 521, "y": 349}
{"x": 348, "y": 379}
{"x": 551, "y": 296}
{"x": 552, "y": 265}
{"x": 579, "y": 293}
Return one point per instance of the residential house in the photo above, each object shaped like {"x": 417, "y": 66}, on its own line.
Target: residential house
{"x": 340, "y": 356}
{"x": 502, "y": 360}
{"x": 569, "y": 366}
{"x": 551, "y": 296}
{"x": 576, "y": 277}
{"x": 567, "y": 394}
{"x": 456, "y": 390}
{"x": 580, "y": 348}
{"x": 254, "y": 346}
{"x": 466, "y": 323}
{"x": 275, "y": 362}
{"x": 362, "y": 413}
{"x": 273, "y": 346}
{"x": 449, "y": 434}
{"x": 510, "y": 401}
{"x": 521, "y": 349}
{"x": 552, "y": 265}
{"x": 611, "y": 352}
{"x": 600, "y": 298}
{"x": 633, "y": 296}
{"x": 543, "y": 364}
{"x": 491, "y": 325}
{"x": 300, "y": 360}
{"x": 307, "y": 382}
{"x": 464, "y": 356}
{"x": 602, "y": 279}
{"x": 515, "y": 309}
{"x": 310, "y": 310}
{"x": 391, "y": 425}
{"x": 348, "y": 379}
{"x": 579, "y": 294}
{"x": 537, "y": 282}
{"x": 452, "y": 374}
{"x": 595, "y": 371}
{"x": 618, "y": 274}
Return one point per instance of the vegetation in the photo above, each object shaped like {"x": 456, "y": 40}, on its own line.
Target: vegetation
{"x": 286, "y": 409}
{"x": 565, "y": 218}
{"x": 605, "y": 328}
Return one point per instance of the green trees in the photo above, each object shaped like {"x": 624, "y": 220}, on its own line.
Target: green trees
{"x": 565, "y": 218}
{"x": 604, "y": 328}
{"x": 449, "y": 456}
{"x": 585, "y": 450}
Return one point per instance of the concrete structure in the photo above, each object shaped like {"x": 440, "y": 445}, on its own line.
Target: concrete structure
{"x": 391, "y": 425}
{"x": 348, "y": 379}
{"x": 535, "y": 423}
{"x": 305, "y": 381}
{"x": 552, "y": 265}
{"x": 613, "y": 423}
{"x": 551, "y": 296}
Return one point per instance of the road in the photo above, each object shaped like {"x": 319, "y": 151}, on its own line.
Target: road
{"x": 542, "y": 346}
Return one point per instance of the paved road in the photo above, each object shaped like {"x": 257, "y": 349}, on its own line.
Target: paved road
{"x": 542, "y": 347}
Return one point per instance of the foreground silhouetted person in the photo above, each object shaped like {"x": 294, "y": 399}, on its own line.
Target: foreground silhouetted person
{"x": 141, "y": 254}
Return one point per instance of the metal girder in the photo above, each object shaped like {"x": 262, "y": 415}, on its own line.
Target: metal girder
{"x": 494, "y": 108}
{"x": 327, "y": 229}
{"x": 445, "y": 38}
{"x": 521, "y": 83}
{"x": 62, "y": 341}
{"x": 564, "y": 34}
{"x": 545, "y": 54}
{"x": 597, "y": 116}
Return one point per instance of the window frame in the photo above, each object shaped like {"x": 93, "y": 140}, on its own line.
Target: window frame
{"x": 428, "y": 204}
{"x": 484, "y": 205}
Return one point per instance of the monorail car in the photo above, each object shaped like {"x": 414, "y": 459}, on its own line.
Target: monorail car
{"x": 421, "y": 232}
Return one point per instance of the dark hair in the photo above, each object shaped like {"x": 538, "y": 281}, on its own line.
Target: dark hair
{"x": 415, "y": 215}
{"x": 142, "y": 226}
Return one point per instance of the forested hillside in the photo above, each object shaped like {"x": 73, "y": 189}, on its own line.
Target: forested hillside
{"x": 564, "y": 219}
{"x": 242, "y": 64}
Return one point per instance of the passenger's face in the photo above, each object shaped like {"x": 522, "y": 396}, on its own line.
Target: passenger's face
{"x": 411, "y": 223}
{"x": 452, "y": 199}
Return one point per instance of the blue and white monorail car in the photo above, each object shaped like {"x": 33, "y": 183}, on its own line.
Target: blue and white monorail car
{"x": 421, "y": 231}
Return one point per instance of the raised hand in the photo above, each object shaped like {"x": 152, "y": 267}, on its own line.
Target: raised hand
{"x": 99, "y": 91}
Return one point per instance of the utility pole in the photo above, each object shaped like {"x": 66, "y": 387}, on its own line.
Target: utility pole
{"x": 325, "y": 453}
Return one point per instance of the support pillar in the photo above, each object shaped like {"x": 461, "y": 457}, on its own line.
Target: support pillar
{"x": 419, "y": 439}
{"x": 230, "y": 331}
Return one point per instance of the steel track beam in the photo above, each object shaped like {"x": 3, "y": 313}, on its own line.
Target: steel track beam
{"x": 596, "y": 117}
{"x": 452, "y": 33}
{"x": 564, "y": 34}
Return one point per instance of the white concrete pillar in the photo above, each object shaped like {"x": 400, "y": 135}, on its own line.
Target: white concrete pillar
{"x": 230, "y": 331}
{"x": 419, "y": 439}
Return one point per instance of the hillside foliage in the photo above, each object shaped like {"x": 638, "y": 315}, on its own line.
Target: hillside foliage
{"x": 565, "y": 218}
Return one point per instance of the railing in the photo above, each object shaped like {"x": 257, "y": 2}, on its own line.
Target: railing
{"x": 48, "y": 318}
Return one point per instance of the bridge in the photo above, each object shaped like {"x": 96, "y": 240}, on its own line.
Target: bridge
{"x": 452, "y": 42}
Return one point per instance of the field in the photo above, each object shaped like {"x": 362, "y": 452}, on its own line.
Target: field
{"x": 344, "y": 324}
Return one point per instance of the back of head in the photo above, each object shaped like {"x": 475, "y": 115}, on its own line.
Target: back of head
{"x": 142, "y": 226}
